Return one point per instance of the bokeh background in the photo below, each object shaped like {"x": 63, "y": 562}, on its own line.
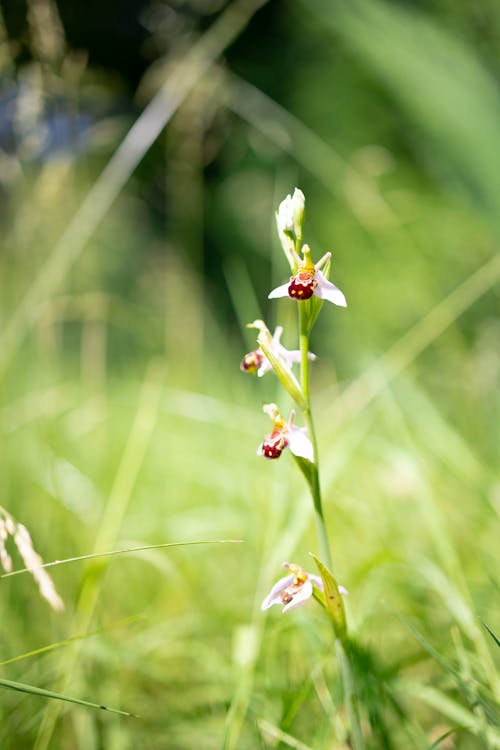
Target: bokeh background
{"x": 144, "y": 148}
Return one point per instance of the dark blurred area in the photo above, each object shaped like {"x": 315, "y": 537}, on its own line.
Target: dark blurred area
{"x": 310, "y": 95}
{"x": 74, "y": 77}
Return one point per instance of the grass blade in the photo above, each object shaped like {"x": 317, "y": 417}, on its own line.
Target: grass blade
{"x": 124, "y": 551}
{"x": 490, "y": 631}
{"x": 21, "y": 687}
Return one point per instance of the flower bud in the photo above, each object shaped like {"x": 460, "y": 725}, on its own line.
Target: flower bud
{"x": 289, "y": 220}
{"x": 298, "y": 206}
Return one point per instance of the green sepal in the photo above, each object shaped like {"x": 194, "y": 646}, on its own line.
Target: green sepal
{"x": 288, "y": 243}
{"x": 316, "y": 303}
{"x": 284, "y": 374}
{"x": 332, "y": 600}
{"x": 307, "y": 469}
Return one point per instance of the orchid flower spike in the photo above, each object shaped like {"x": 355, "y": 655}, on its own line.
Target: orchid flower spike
{"x": 309, "y": 280}
{"x": 256, "y": 361}
{"x": 284, "y": 435}
{"x": 294, "y": 589}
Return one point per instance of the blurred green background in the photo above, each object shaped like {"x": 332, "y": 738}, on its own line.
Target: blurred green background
{"x": 144, "y": 148}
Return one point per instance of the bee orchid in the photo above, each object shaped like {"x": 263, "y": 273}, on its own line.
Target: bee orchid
{"x": 294, "y": 589}
{"x": 256, "y": 361}
{"x": 285, "y": 435}
{"x": 309, "y": 280}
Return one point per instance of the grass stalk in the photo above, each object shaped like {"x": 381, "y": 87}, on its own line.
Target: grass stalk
{"x": 125, "y": 480}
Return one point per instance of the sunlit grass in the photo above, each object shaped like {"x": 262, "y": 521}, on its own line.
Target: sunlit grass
{"x": 194, "y": 620}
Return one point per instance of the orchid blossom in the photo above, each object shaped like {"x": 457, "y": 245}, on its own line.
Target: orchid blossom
{"x": 309, "y": 280}
{"x": 256, "y": 361}
{"x": 294, "y": 589}
{"x": 285, "y": 435}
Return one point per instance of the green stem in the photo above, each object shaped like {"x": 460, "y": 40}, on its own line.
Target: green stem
{"x": 324, "y": 546}
{"x": 350, "y": 697}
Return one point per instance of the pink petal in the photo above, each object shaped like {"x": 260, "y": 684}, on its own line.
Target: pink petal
{"x": 299, "y": 443}
{"x": 327, "y": 290}
{"x": 295, "y": 355}
{"x": 274, "y": 596}
{"x": 300, "y": 597}
{"x": 277, "y": 336}
{"x": 265, "y": 367}
{"x": 280, "y": 291}
{"x": 291, "y": 356}
{"x": 316, "y": 580}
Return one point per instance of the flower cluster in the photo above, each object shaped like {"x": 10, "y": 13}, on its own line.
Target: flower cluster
{"x": 307, "y": 280}
{"x": 309, "y": 286}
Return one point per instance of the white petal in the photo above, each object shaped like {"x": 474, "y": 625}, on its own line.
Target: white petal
{"x": 291, "y": 356}
{"x": 280, "y": 291}
{"x": 299, "y": 443}
{"x": 327, "y": 290}
{"x": 274, "y": 596}
{"x": 277, "y": 336}
{"x": 298, "y": 203}
{"x": 295, "y": 355}
{"x": 300, "y": 597}
{"x": 272, "y": 411}
{"x": 265, "y": 367}
{"x": 317, "y": 581}
{"x": 298, "y": 200}
{"x": 260, "y": 449}
{"x": 343, "y": 590}
{"x": 284, "y": 217}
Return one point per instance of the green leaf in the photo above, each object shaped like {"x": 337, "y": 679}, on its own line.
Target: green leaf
{"x": 283, "y": 372}
{"x": 316, "y": 303}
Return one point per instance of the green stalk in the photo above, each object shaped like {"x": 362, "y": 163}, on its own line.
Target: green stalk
{"x": 323, "y": 544}
{"x": 332, "y": 599}
{"x": 338, "y": 616}
{"x": 350, "y": 697}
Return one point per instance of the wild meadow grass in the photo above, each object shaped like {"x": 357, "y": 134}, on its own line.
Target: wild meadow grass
{"x": 126, "y": 423}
